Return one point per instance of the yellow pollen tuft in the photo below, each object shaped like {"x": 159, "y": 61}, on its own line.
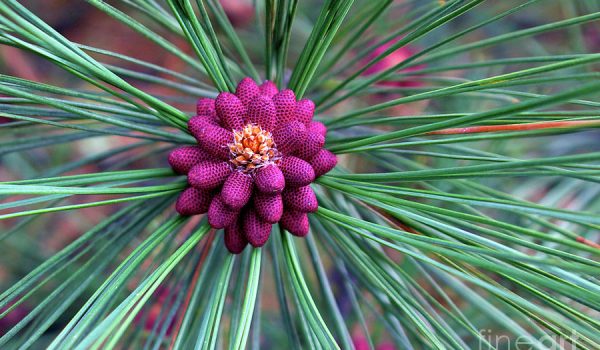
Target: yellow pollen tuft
{"x": 252, "y": 148}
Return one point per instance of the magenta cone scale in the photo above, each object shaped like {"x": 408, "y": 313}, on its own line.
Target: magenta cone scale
{"x": 183, "y": 159}
{"x": 285, "y": 143}
{"x": 269, "y": 179}
{"x": 208, "y": 174}
{"x": 285, "y": 103}
{"x": 247, "y": 90}
{"x": 301, "y": 199}
{"x": 255, "y": 229}
{"x": 295, "y": 222}
{"x": 219, "y": 214}
{"x": 268, "y": 88}
{"x": 318, "y": 127}
{"x": 210, "y": 137}
{"x": 305, "y": 109}
{"x": 237, "y": 190}
{"x": 258, "y": 152}
{"x": 323, "y": 162}
{"x": 231, "y": 111}
{"x": 206, "y": 107}
{"x": 268, "y": 206}
{"x": 297, "y": 172}
{"x": 313, "y": 144}
{"x": 261, "y": 111}
{"x": 193, "y": 201}
{"x": 235, "y": 240}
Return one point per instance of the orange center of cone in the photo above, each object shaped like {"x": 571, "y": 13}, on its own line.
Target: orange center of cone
{"x": 252, "y": 148}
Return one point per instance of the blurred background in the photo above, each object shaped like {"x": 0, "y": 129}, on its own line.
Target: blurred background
{"x": 28, "y": 242}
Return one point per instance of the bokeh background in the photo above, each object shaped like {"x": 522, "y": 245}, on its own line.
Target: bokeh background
{"x": 28, "y": 242}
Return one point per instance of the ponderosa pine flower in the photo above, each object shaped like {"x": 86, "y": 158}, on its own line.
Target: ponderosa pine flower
{"x": 258, "y": 152}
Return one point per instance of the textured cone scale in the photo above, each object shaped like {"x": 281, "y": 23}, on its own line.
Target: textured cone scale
{"x": 206, "y": 107}
{"x": 304, "y": 111}
{"x": 296, "y": 171}
{"x": 323, "y": 162}
{"x": 290, "y": 136}
{"x": 247, "y": 90}
{"x": 235, "y": 240}
{"x": 285, "y": 103}
{"x": 309, "y": 148}
{"x": 193, "y": 201}
{"x": 256, "y": 230}
{"x": 258, "y": 152}
{"x": 197, "y": 124}
{"x": 211, "y": 138}
{"x": 295, "y": 222}
{"x": 300, "y": 199}
{"x": 237, "y": 190}
{"x": 269, "y": 179}
{"x": 261, "y": 111}
{"x": 318, "y": 127}
{"x": 268, "y": 88}
{"x": 219, "y": 214}
{"x": 183, "y": 159}
{"x": 208, "y": 174}
{"x": 269, "y": 207}
{"x": 231, "y": 111}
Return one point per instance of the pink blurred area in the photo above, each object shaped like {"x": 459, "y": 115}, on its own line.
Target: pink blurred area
{"x": 13, "y": 317}
{"x": 391, "y": 60}
{"x": 361, "y": 343}
{"x": 239, "y": 12}
{"x": 396, "y": 57}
